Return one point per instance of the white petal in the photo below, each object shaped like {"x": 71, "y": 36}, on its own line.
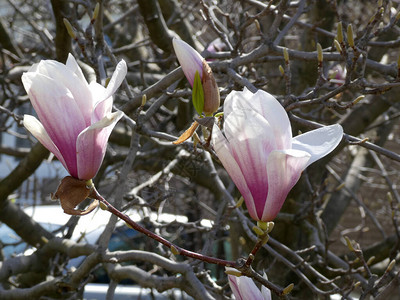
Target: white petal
{"x": 74, "y": 67}
{"x": 319, "y": 142}
{"x": 266, "y": 293}
{"x": 248, "y": 289}
{"x": 268, "y": 107}
{"x": 233, "y": 100}
{"x": 233, "y": 283}
{"x": 102, "y": 108}
{"x": 104, "y": 100}
{"x": 116, "y": 79}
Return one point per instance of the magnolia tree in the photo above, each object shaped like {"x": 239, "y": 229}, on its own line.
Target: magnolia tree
{"x": 274, "y": 122}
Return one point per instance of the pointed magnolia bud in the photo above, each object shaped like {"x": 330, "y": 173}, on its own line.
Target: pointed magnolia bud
{"x": 96, "y": 11}
{"x": 70, "y": 29}
{"x": 337, "y": 45}
{"x": 286, "y": 55}
{"x": 192, "y": 62}
{"x": 73, "y": 191}
{"x": 288, "y": 289}
{"x": 350, "y": 35}
{"x": 282, "y": 70}
{"x": 320, "y": 53}
{"x": 340, "y": 32}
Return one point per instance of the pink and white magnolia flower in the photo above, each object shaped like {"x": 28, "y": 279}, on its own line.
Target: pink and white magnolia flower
{"x": 75, "y": 117}
{"x": 244, "y": 288}
{"x": 259, "y": 153}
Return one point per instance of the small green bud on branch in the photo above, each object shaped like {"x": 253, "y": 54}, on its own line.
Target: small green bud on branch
{"x": 350, "y": 36}
{"x": 340, "y": 32}
{"x": 70, "y": 29}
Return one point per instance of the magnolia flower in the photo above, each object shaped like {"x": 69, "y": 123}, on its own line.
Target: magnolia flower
{"x": 75, "y": 117}
{"x": 244, "y": 288}
{"x": 191, "y": 61}
{"x": 259, "y": 153}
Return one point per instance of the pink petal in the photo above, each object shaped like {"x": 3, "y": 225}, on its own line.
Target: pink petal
{"x": 92, "y": 143}
{"x": 319, "y": 142}
{"x": 222, "y": 148}
{"x": 284, "y": 170}
{"x": 248, "y": 289}
{"x": 37, "y": 130}
{"x": 232, "y": 279}
{"x": 190, "y": 60}
{"x": 251, "y": 139}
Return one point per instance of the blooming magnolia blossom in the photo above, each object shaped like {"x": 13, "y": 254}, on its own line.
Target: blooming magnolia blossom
{"x": 244, "y": 288}
{"x": 259, "y": 153}
{"x": 75, "y": 117}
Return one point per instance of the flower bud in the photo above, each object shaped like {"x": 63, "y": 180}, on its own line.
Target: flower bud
{"x": 288, "y": 289}
{"x": 350, "y": 35}
{"x": 319, "y": 53}
{"x": 70, "y": 29}
{"x": 282, "y": 70}
{"x": 96, "y": 11}
{"x": 391, "y": 265}
{"x": 286, "y": 55}
{"x": 338, "y": 47}
{"x": 340, "y": 32}
{"x": 193, "y": 63}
